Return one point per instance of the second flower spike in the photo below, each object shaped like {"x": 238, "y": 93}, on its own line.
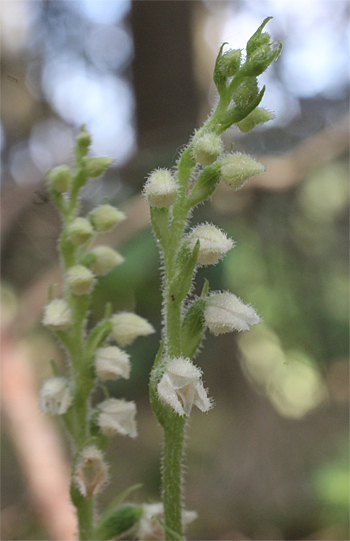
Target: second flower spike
{"x": 181, "y": 387}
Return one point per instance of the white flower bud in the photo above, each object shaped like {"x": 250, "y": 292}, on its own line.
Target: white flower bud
{"x": 161, "y": 189}
{"x": 224, "y": 312}
{"x": 126, "y": 326}
{"x": 181, "y": 387}
{"x": 117, "y": 417}
{"x": 150, "y": 529}
{"x": 112, "y": 363}
{"x": 213, "y": 243}
{"x": 255, "y": 118}
{"x": 59, "y": 179}
{"x": 57, "y": 315}
{"x": 80, "y": 280}
{"x": 237, "y": 168}
{"x": 104, "y": 259}
{"x": 91, "y": 472}
{"x": 79, "y": 231}
{"x": 105, "y": 217}
{"x": 55, "y": 396}
{"x": 96, "y": 166}
{"x": 207, "y": 148}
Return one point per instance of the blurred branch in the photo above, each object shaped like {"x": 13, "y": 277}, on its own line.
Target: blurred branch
{"x": 285, "y": 171}
{"x": 37, "y": 447}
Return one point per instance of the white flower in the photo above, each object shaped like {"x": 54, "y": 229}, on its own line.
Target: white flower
{"x": 161, "y": 189}
{"x": 104, "y": 259}
{"x": 127, "y": 326}
{"x": 112, "y": 363}
{"x": 80, "y": 280}
{"x": 117, "y": 417}
{"x": 213, "y": 243}
{"x": 150, "y": 529}
{"x": 224, "y": 312}
{"x": 91, "y": 472}
{"x": 57, "y": 315}
{"x": 55, "y": 396}
{"x": 181, "y": 387}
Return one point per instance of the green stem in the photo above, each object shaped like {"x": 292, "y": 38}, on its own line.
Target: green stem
{"x": 172, "y": 476}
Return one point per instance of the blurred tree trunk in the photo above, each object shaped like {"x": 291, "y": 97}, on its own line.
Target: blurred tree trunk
{"x": 163, "y": 74}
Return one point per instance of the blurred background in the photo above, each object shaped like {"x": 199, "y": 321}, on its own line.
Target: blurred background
{"x": 270, "y": 461}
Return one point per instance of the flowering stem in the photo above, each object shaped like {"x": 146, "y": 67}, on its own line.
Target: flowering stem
{"x": 172, "y": 476}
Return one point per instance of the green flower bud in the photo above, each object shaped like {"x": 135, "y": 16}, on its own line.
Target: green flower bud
{"x": 59, "y": 179}
{"x": 80, "y": 280}
{"x": 104, "y": 217}
{"x": 237, "y": 168}
{"x": 259, "y": 51}
{"x": 103, "y": 259}
{"x": 161, "y": 189}
{"x": 246, "y": 93}
{"x": 96, "y": 166}
{"x": 256, "y": 117}
{"x": 259, "y": 38}
{"x": 207, "y": 148}
{"x": 229, "y": 62}
{"x": 79, "y": 231}
{"x": 83, "y": 141}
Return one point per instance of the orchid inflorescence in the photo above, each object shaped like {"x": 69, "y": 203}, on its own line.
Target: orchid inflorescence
{"x": 99, "y": 354}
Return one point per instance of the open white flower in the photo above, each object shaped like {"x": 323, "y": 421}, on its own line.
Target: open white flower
{"x": 117, "y": 417}
{"x": 181, "y": 387}
{"x": 127, "y": 326}
{"x": 150, "y": 529}
{"x": 112, "y": 363}
{"x": 213, "y": 243}
{"x": 55, "y": 396}
{"x": 91, "y": 472}
{"x": 224, "y": 312}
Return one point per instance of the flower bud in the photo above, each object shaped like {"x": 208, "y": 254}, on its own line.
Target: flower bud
{"x": 229, "y": 62}
{"x": 83, "y": 141}
{"x": 256, "y": 117}
{"x": 151, "y": 529}
{"x": 246, "y": 93}
{"x": 104, "y": 259}
{"x": 127, "y": 326}
{"x": 207, "y": 148}
{"x": 57, "y": 315}
{"x": 161, "y": 189}
{"x": 224, "y": 312}
{"x": 79, "y": 231}
{"x": 80, "y": 280}
{"x": 237, "y": 168}
{"x": 104, "y": 217}
{"x": 59, "y": 179}
{"x": 96, "y": 166}
{"x": 112, "y": 363}
{"x": 117, "y": 417}
{"x": 91, "y": 472}
{"x": 181, "y": 387}
{"x": 55, "y": 396}
{"x": 213, "y": 243}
